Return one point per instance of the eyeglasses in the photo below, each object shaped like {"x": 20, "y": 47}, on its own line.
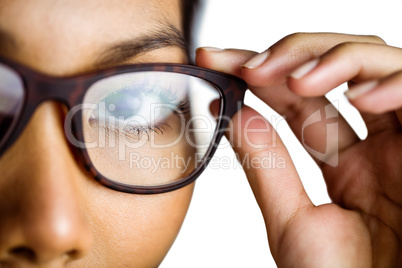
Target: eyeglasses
{"x": 141, "y": 129}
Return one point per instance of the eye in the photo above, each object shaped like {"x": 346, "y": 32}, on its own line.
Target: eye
{"x": 137, "y": 111}
{"x": 134, "y": 104}
{"x": 123, "y": 104}
{"x": 162, "y": 116}
{"x": 130, "y": 105}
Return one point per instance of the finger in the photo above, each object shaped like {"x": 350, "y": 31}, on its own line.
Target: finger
{"x": 377, "y": 123}
{"x": 269, "y": 169}
{"x": 223, "y": 60}
{"x": 293, "y": 51}
{"x": 378, "y": 96}
{"x": 379, "y": 102}
{"x": 346, "y": 62}
{"x": 298, "y": 48}
{"x": 313, "y": 135}
{"x": 351, "y": 62}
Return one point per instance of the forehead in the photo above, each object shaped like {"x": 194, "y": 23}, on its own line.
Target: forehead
{"x": 50, "y": 32}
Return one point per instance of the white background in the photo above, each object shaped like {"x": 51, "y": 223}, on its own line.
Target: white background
{"x": 224, "y": 227}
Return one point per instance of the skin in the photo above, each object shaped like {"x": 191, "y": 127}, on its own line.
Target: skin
{"x": 72, "y": 220}
{"x": 362, "y": 225}
{"x": 53, "y": 214}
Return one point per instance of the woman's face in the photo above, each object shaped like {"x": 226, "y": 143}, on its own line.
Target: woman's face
{"x": 52, "y": 213}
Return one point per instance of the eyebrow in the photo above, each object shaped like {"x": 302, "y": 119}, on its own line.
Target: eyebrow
{"x": 164, "y": 35}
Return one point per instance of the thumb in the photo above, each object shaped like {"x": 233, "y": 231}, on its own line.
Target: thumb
{"x": 270, "y": 171}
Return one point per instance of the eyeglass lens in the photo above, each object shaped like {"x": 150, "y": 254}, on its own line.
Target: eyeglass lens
{"x": 11, "y": 99}
{"x": 149, "y": 128}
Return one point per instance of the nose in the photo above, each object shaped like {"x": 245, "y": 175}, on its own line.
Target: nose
{"x": 42, "y": 203}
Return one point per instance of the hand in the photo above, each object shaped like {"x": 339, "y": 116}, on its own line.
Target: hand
{"x": 363, "y": 225}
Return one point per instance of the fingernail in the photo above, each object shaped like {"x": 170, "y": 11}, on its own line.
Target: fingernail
{"x": 257, "y": 60}
{"x": 304, "y": 69}
{"x": 212, "y": 49}
{"x": 360, "y": 89}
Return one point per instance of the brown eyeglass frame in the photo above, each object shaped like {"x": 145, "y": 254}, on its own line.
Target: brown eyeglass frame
{"x": 71, "y": 91}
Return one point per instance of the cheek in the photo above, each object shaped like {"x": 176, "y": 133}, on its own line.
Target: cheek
{"x": 135, "y": 230}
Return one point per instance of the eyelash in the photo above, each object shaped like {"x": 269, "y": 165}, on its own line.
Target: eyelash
{"x": 136, "y": 132}
{"x": 183, "y": 106}
{"x": 139, "y": 131}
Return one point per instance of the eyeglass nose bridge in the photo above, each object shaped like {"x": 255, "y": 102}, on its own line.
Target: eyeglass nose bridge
{"x": 39, "y": 90}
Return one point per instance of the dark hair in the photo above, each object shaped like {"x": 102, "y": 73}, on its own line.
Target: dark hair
{"x": 188, "y": 11}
